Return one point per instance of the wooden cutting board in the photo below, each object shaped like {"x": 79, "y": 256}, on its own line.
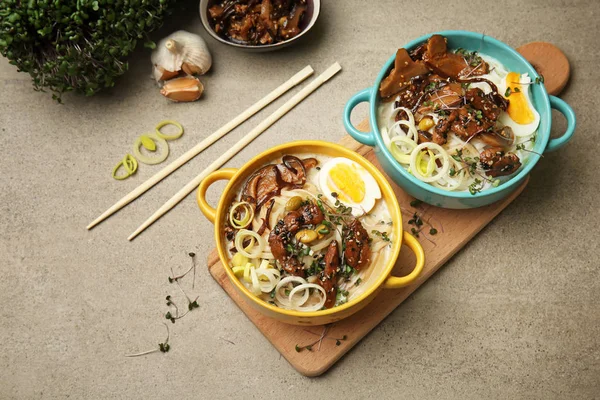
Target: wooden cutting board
{"x": 459, "y": 226}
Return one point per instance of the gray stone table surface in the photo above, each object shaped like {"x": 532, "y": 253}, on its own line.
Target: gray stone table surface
{"x": 516, "y": 314}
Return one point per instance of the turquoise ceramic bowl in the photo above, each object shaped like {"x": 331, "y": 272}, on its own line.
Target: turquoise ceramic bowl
{"x": 442, "y": 198}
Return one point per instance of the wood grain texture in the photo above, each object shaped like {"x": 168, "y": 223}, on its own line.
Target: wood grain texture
{"x": 459, "y": 226}
{"x": 550, "y": 62}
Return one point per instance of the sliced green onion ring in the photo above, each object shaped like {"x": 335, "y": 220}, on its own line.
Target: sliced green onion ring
{"x": 162, "y": 124}
{"x": 396, "y": 148}
{"x": 246, "y": 210}
{"x": 161, "y": 155}
{"x": 438, "y": 153}
{"x": 148, "y": 143}
{"x": 129, "y": 163}
{"x": 257, "y": 243}
{"x": 452, "y": 183}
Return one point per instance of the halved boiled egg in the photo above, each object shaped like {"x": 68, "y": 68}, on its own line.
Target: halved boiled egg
{"x": 521, "y": 116}
{"x": 353, "y": 185}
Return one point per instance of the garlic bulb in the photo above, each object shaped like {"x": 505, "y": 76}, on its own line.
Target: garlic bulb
{"x": 187, "y": 88}
{"x": 180, "y": 50}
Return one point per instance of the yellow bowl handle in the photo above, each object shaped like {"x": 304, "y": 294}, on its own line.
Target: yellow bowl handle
{"x": 220, "y": 175}
{"x": 394, "y": 282}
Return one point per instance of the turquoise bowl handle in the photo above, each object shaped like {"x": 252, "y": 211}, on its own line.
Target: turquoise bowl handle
{"x": 367, "y": 138}
{"x": 567, "y": 111}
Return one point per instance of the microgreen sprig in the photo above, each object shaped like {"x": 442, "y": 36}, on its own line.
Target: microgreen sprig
{"x": 192, "y": 268}
{"x": 510, "y": 91}
{"x": 384, "y": 236}
{"x": 173, "y": 313}
{"x": 162, "y": 347}
{"x": 419, "y": 223}
{"x": 191, "y": 305}
{"x": 521, "y": 146}
{"x": 416, "y": 203}
{"x": 471, "y": 57}
{"x": 322, "y": 336}
{"x": 470, "y": 165}
{"x": 537, "y": 81}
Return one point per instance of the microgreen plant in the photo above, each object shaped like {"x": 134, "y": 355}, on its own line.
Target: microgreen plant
{"x": 79, "y": 45}
{"x": 319, "y": 341}
{"x": 163, "y": 347}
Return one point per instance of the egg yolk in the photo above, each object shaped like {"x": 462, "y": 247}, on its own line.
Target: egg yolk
{"x": 518, "y": 107}
{"x": 348, "y": 183}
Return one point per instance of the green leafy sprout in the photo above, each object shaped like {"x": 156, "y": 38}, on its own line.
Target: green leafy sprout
{"x": 76, "y": 45}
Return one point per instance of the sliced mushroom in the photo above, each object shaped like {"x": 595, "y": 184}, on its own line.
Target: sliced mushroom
{"x": 496, "y": 162}
{"x": 448, "y": 64}
{"x": 503, "y": 138}
{"x": 292, "y": 170}
{"x": 327, "y": 277}
{"x": 399, "y": 78}
{"x": 292, "y": 27}
{"x": 269, "y": 180}
{"x": 357, "y": 253}
{"x": 265, "y": 220}
{"x": 262, "y": 186}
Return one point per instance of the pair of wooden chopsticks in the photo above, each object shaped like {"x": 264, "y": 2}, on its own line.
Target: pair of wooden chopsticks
{"x": 253, "y": 134}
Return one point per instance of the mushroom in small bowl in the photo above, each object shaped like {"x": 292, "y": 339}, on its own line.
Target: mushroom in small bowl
{"x": 258, "y": 25}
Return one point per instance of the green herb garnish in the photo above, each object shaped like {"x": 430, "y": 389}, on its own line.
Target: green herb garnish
{"x": 382, "y": 235}
{"x": 162, "y": 347}
{"x": 319, "y": 341}
{"x": 476, "y": 186}
{"x": 416, "y": 203}
{"x": 471, "y": 57}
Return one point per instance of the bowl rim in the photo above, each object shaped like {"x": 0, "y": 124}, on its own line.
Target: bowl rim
{"x": 542, "y": 138}
{"x": 206, "y": 24}
{"x": 268, "y": 156}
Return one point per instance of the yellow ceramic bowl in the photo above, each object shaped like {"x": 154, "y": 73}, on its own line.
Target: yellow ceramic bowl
{"x": 237, "y": 177}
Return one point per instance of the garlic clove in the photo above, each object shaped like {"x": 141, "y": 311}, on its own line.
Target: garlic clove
{"x": 191, "y": 69}
{"x": 183, "y": 89}
{"x": 182, "y": 48}
{"x": 161, "y": 74}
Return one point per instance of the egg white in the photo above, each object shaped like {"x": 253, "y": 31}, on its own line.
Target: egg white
{"x": 372, "y": 190}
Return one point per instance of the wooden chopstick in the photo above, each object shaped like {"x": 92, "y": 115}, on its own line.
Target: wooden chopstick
{"x": 209, "y": 140}
{"x": 250, "y": 136}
